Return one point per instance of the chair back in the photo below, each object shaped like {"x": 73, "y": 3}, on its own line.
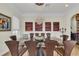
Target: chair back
{"x": 43, "y": 34}
{"x": 13, "y": 37}
{"x": 31, "y": 36}
{"x": 48, "y": 36}
{"x": 31, "y": 45}
{"x": 68, "y": 46}
{"x": 65, "y": 37}
{"x": 36, "y": 34}
{"x": 13, "y": 47}
{"x": 50, "y": 46}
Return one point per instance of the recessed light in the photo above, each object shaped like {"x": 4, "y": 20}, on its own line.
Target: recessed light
{"x": 66, "y": 5}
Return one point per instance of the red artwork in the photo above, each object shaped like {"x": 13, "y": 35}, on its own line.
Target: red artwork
{"x": 38, "y": 27}
{"x": 55, "y": 26}
{"x": 47, "y": 26}
{"x": 28, "y": 26}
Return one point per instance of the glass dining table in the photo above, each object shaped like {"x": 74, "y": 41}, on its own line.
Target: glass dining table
{"x": 40, "y": 50}
{"x": 40, "y": 47}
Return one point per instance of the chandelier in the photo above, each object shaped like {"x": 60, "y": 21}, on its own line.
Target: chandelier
{"x": 39, "y": 18}
{"x": 39, "y": 4}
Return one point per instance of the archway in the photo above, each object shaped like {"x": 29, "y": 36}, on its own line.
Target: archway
{"x": 75, "y": 27}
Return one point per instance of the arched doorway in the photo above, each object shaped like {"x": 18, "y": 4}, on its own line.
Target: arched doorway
{"x": 75, "y": 27}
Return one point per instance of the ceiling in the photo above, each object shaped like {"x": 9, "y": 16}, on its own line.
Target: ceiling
{"x": 47, "y": 8}
{"x": 24, "y": 8}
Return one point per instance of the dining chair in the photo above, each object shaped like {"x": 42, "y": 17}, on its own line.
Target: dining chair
{"x": 48, "y": 36}
{"x": 50, "y": 47}
{"x": 65, "y": 37}
{"x": 13, "y": 37}
{"x": 43, "y": 34}
{"x": 31, "y": 36}
{"x": 14, "y": 48}
{"x": 68, "y": 46}
{"x": 31, "y": 46}
{"x": 36, "y": 34}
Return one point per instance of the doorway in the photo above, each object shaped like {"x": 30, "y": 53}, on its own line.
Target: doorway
{"x": 75, "y": 27}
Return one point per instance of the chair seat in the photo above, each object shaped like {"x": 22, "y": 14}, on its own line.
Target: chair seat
{"x": 60, "y": 51}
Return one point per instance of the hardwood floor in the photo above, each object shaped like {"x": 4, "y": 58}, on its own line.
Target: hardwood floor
{"x": 75, "y": 52}
{"x": 9, "y": 54}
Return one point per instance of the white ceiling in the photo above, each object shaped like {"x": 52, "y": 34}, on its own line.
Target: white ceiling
{"x": 46, "y": 8}
{"x": 32, "y": 8}
{"x": 24, "y": 8}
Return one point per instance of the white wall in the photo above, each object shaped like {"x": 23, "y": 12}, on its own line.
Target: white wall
{"x": 16, "y": 27}
{"x": 74, "y": 25}
{"x": 68, "y": 16}
{"x": 4, "y": 35}
{"x": 53, "y": 17}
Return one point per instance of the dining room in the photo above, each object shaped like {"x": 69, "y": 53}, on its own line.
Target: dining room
{"x": 39, "y": 29}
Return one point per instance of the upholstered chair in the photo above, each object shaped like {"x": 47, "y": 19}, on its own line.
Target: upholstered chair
{"x": 68, "y": 46}
{"x": 36, "y": 34}
{"x": 13, "y": 37}
{"x": 43, "y": 34}
{"x": 48, "y": 36}
{"x": 31, "y": 46}
{"x": 31, "y": 36}
{"x": 14, "y": 48}
{"x": 65, "y": 37}
{"x": 50, "y": 47}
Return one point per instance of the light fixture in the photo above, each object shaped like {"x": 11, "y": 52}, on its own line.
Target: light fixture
{"x": 39, "y": 4}
{"x": 39, "y": 18}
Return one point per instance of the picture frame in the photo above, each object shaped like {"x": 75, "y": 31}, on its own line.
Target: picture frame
{"x": 56, "y": 26}
{"x": 5, "y": 22}
{"x": 38, "y": 27}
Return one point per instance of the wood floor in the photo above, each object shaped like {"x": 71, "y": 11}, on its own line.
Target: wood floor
{"x": 75, "y": 52}
{"x": 9, "y": 54}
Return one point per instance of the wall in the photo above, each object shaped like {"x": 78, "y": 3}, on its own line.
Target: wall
{"x": 16, "y": 27}
{"x": 68, "y": 16}
{"x": 74, "y": 25}
{"x": 47, "y": 17}
{"x": 4, "y": 35}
